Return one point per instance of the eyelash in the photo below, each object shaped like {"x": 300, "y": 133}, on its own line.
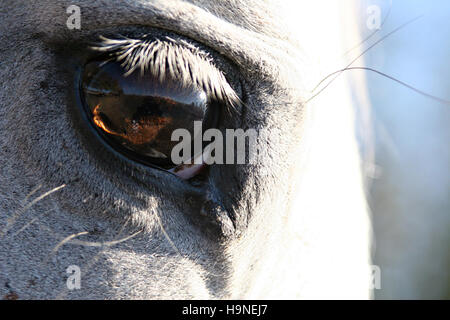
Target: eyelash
{"x": 175, "y": 58}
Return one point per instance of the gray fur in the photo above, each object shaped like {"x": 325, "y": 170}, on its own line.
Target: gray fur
{"x": 141, "y": 233}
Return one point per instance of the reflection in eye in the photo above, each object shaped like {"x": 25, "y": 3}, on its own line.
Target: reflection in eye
{"x": 138, "y": 113}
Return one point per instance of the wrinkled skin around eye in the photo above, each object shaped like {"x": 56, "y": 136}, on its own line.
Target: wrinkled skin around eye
{"x": 140, "y": 112}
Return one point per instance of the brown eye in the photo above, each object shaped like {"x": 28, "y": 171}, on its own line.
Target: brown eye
{"x": 136, "y": 114}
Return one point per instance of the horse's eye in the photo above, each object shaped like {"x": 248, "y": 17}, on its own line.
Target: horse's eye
{"x": 136, "y": 114}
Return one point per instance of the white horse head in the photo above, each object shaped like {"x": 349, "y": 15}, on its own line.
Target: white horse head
{"x": 293, "y": 225}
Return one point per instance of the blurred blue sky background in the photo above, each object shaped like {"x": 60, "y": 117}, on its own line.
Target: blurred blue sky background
{"x": 410, "y": 197}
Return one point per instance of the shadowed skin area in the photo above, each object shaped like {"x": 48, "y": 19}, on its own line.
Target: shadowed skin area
{"x": 138, "y": 232}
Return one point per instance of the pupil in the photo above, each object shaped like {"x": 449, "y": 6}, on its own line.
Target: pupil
{"x": 139, "y": 113}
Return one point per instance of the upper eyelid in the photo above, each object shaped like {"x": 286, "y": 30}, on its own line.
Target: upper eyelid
{"x": 254, "y": 53}
{"x": 168, "y": 57}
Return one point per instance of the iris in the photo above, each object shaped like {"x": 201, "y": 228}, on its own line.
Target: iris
{"x": 136, "y": 114}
